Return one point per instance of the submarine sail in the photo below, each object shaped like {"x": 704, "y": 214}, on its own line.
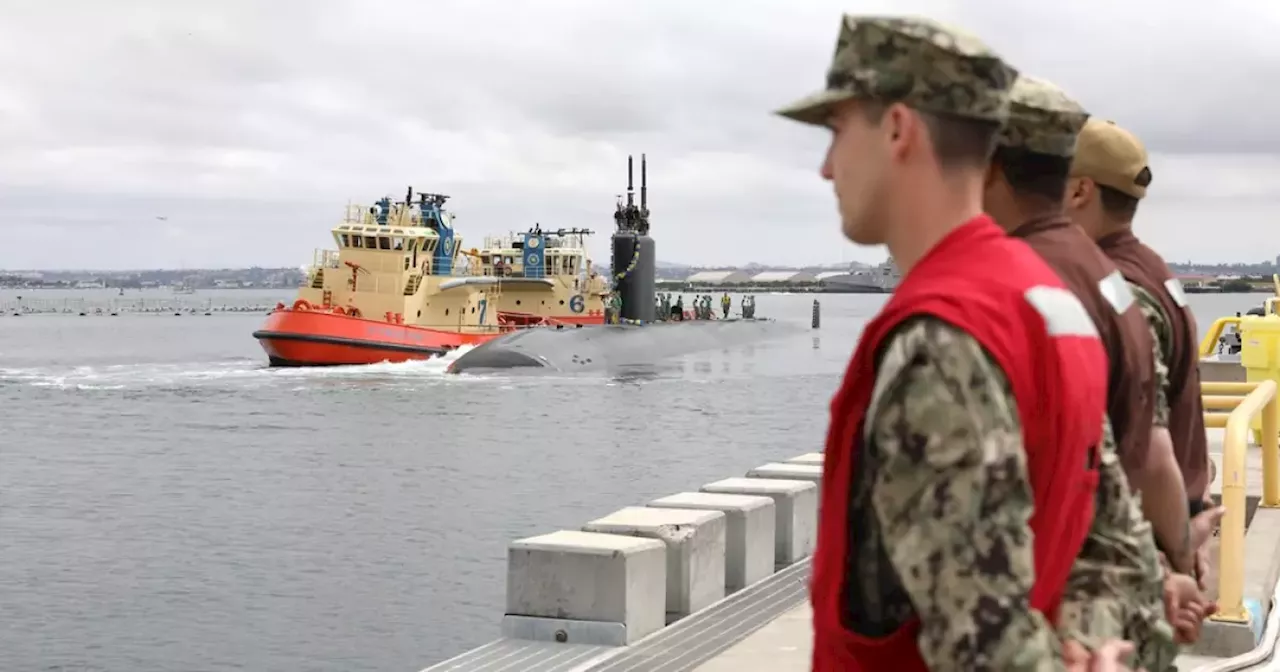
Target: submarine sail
{"x": 634, "y": 264}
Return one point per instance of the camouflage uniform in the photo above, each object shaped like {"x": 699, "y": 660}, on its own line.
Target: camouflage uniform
{"x": 1162, "y": 334}
{"x": 937, "y": 560}
{"x": 942, "y": 434}
{"x": 1116, "y": 588}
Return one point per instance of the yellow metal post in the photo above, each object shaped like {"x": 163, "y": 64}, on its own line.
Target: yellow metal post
{"x": 1220, "y": 402}
{"x": 1234, "y": 472}
{"x": 1271, "y": 453}
{"x": 1216, "y": 420}
{"x": 1235, "y": 389}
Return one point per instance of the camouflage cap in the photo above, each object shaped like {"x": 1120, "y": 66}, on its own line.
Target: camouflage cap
{"x": 919, "y": 62}
{"x": 1112, "y": 157}
{"x": 1042, "y": 118}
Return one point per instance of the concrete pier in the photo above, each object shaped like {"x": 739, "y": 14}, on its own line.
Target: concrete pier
{"x": 710, "y": 565}
{"x": 790, "y": 471}
{"x": 717, "y": 581}
{"x": 694, "y": 541}
{"x": 807, "y": 458}
{"x": 750, "y": 527}
{"x": 589, "y": 582}
{"x": 795, "y": 507}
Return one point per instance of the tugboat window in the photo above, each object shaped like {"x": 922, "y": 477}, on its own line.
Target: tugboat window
{"x": 384, "y": 243}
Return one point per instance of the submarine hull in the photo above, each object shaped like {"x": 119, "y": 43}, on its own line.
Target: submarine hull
{"x": 614, "y": 345}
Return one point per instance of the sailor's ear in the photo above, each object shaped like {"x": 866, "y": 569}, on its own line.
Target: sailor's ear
{"x": 1080, "y": 190}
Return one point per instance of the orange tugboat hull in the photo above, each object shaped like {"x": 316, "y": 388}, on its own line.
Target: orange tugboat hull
{"x": 308, "y": 337}
{"x": 321, "y": 338}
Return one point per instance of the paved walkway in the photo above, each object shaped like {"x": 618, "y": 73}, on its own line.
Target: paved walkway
{"x": 784, "y": 645}
{"x": 781, "y": 646}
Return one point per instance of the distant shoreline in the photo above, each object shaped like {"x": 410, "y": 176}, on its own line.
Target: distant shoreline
{"x": 662, "y": 287}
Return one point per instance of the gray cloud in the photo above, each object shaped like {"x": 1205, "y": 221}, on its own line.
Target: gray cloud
{"x": 250, "y": 124}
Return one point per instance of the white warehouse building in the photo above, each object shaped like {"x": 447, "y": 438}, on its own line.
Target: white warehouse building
{"x": 719, "y": 278}
{"x": 769, "y": 277}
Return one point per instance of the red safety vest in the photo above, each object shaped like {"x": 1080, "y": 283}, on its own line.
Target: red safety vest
{"x": 1003, "y": 294}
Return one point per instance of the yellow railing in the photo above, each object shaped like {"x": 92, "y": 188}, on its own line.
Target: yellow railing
{"x": 1209, "y": 344}
{"x": 1246, "y": 401}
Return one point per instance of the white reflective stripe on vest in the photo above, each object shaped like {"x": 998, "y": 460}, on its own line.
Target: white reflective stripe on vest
{"x": 1116, "y": 290}
{"x": 1174, "y": 287}
{"x": 1063, "y": 313}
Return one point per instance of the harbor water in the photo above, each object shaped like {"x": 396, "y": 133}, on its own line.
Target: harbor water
{"x": 169, "y": 503}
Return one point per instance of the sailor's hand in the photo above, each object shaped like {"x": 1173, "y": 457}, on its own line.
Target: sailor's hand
{"x": 1203, "y": 525}
{"x": 1107, "y": 658}
{"x": 1202, "y": 528}
{"x": 1185, "y": 606}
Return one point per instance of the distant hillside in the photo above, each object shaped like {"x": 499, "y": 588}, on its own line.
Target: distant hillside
{"x": 667, "y": 270}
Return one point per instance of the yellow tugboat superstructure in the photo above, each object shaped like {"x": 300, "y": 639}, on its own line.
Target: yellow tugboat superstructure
{"x": 400, "y": 286}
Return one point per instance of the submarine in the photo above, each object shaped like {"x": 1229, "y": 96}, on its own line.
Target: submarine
{"x": 638, "y": 337}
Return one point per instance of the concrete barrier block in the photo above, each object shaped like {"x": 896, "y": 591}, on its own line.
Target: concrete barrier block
{"x": 795, "y": 506}
{"x": 695, "y": 542}
{"x": 750, "y": 529}
{"x": 789, "y": 472}
{"x": 595, "y": 578}
{"x": 807, "y": 458}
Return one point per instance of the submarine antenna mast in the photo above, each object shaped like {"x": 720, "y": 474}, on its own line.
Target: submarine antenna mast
{"x": 634, "y": 265}
{"x": 644, "y": 192}
{"x": 631, "y": 184}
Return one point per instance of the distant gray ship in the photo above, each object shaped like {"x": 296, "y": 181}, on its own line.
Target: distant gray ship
{"x": 881, "y": 279}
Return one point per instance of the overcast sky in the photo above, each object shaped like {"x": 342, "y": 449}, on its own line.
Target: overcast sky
{"x": 250, "y": 124}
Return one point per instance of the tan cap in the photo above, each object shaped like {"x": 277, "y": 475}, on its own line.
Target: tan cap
{"x": 920, "y": 62}
{"x": 1112, "y": 157}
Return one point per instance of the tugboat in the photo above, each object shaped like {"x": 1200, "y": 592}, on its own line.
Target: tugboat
{"x": 400, "y": 287}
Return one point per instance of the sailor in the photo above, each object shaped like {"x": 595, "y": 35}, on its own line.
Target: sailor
{"x": 725, "y": 304}
{"x": 677, "y": 311}
{"x": 973, "y": 400}
{"x": 1025, "y": 190}
{"x": 615, "y": 303}
{"x": 1109, "y": 176}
